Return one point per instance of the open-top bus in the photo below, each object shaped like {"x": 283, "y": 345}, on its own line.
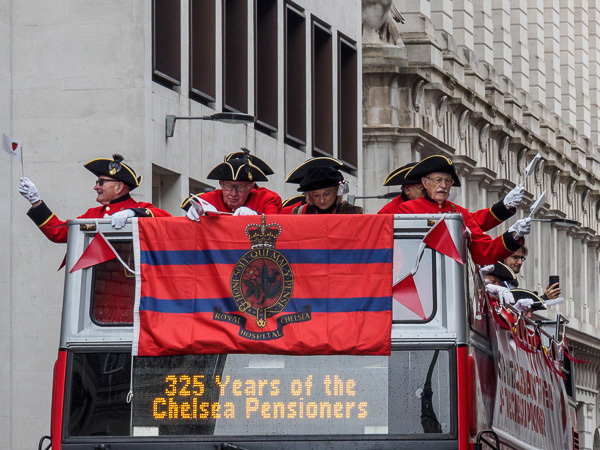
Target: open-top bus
{"x": 454, "y": 378}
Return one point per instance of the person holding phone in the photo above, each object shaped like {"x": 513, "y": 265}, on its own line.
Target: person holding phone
{"x": 515, "y": 262}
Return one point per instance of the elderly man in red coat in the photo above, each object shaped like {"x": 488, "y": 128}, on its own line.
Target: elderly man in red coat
{"x": 486, "y": 218}
{"x": 239, "y": 194}
{"x": 115, "y": 181}
{"x": 438, "y": 175}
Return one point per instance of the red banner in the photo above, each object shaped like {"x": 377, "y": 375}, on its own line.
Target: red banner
{"x": 281, "y": 284}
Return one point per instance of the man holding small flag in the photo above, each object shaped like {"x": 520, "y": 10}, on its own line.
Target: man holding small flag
{"x": 486, "y": 218}
{"x": 438, "y": 175}
{"x": 115, "y": 181}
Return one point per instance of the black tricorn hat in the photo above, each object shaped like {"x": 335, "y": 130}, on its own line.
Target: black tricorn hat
{"x": 263, "y": 166}
{"x": 397, "y": 177}
{"x": 293, "y": 200}
{"x": 114, "y": 168}
{"x": 297, "y": 175}
{"x": 434, "y": 163}
{"x": 520, "y": 294}
{"x": 320, "y": 178}
{"x": 237, "y": 169}
{"x": 503, "y": 272}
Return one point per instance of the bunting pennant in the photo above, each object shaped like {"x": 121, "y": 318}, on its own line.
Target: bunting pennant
{"x": 405, "y": 292}
{"x": 63, "y": 263}
{"x": 439, "y": 239}
{"x": 567, "y": 353}
{"x": 98, "y": 251}
{"x": 249, "y": 284}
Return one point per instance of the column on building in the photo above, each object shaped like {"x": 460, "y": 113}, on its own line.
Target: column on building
{"x": 594, "y": 69}
{"x": 483, "y": 30}
{"x": 582, "y": 72}
{"x": 502, "y": 38}
{"x": 552, "y": 56}
{"x": 520, "y": 50}
{"x": 586, "y": 376}
{"x": 537, "y": 62}
{"x": 567, "y": 63}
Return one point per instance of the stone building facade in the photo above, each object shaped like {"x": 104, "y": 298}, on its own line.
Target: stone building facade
{"x": 491, "y": 84}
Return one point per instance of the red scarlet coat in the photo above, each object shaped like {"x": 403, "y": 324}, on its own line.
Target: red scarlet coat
{"x": 484, "y": 249}
{"x": 261, "y": 200}
{"x": 487, "y": 218}
{"x": 49, "y": 224}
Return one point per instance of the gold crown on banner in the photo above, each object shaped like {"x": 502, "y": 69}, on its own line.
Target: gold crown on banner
{"x": 263, "y": 235}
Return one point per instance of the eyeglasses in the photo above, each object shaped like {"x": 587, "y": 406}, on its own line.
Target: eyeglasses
{"x": 518, "y": 258}
{"x": 230, "y": 187}
{"x": 101, "y": 181}
{"x": 440, "y": 180}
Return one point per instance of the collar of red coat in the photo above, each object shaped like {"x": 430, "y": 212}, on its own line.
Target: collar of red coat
{"x": 120, "y": 199}
{"x": 430, "y": 200}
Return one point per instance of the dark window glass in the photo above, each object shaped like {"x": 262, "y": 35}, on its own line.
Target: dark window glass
{"x": 295, "y": 77}
{"x": 235, "y": 55}
{"x": 322, "y": 90}
{"x": 113, "y": 290}
{"x": 347, "y": 103}
{"x": 97, "y": 400}
{"x": 202, "y": 50}
{"x": 166, "y": 42}
{"x": 266, "y": 64}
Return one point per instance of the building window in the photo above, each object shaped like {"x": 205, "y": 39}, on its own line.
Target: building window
{"x": 347, "y": 103}
{"x": 265, "y": 65}
{"x": 295, "y": 76}
{"x": 235, "y": 55}
{"x": 322, "y": 89}
{"x": 166, "y": 42}
{"x": 202, "y": 50}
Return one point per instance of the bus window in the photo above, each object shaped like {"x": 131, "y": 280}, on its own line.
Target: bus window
{"x": 113, "y": 290}
{"x": 98, "y": 394}
{"x": 405, "y": 259}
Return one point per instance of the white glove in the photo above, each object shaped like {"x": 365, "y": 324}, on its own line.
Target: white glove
{"x": 243, "y": 211}
{"x": 486, "y": 269}
{"x": 195, "y": 211}
{"x": 501, "y": 293}
{"x": 521, "y": 227}
{"x": 28, "y": 190}
{"x": 524, "y": 304}
{"x": 119, "y": 218}
{"x": 515, "y": 197}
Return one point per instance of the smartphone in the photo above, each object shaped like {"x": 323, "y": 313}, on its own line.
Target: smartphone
{"x": 553, "y": 279}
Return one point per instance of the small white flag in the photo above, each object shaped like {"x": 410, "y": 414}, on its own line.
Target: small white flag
{"x": 531, "y": 166}
{"x": 538, "y": 204}
{"x": 12, "y": 147}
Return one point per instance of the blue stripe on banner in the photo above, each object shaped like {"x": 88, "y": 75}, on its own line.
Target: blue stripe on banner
{"x": 321, "y": 256}
{"x": 318, "y": 305}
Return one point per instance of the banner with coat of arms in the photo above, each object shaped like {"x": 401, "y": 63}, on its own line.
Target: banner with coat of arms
{"x": 283, "y": 284}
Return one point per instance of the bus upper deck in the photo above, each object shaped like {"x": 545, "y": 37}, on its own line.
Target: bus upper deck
{"x": 438, "y": 388}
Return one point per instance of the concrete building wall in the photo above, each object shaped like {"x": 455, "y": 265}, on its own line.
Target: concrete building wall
{"x": 76, "y": 84}
{"x": 6, "y": 192}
